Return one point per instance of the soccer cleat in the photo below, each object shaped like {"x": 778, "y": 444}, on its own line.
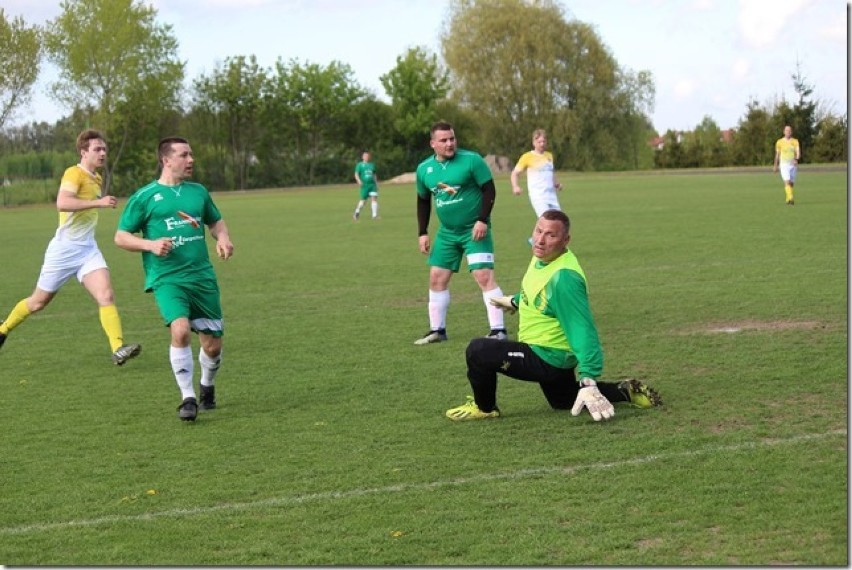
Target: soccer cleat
{"x": 498, "y": 334}
{"x": 640, "y": 394}
{"x": 2, "y": 336}
{"x": 208, "y": 397}
{"x": 790, "y": 202}
{"x": 125, "y": 353}
{"x": 188, "y": 410}
{"x": 470, "y": 411}
{"x": 355, "y": 216}
{"x": 432, "y": 336}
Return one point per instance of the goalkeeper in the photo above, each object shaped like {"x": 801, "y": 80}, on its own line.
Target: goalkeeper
{"x": 558, "y": 344}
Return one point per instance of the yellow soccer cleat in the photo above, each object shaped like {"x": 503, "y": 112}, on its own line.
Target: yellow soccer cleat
{"x": 641, "y": 395}
{"x": 470, "y": 411}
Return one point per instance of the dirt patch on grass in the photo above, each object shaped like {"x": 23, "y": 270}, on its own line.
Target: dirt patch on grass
{"x": 751, "y": 325}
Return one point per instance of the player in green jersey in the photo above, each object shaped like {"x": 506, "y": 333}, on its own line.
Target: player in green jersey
{"x": 557, "y": 339}
{"x": 464, "y": 192}
{"x": 171, "y": 213}
{"x": 365, "y": 176}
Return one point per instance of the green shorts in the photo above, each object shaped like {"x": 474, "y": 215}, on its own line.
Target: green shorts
{"x": 451, "y": 245}
{"x": 198, "y": 302}
{"x": 369, "y": 190}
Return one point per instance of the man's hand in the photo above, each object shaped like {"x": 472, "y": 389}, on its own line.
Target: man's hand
{"x": 591, "y": 398}
{"x": 424, "y": 244}
{"x": 506, "y": 303}
{"x": 480, "y": 229}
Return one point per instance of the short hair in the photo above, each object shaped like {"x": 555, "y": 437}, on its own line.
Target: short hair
{"x": 539, "y": 133}
{"x": 164, "y": 149}
{"x": 86, "y": 137}
{"x": 440, "y": 126}
{"x": 558, "y": 216}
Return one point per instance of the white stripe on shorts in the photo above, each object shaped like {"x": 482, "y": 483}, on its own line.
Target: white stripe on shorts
{"x": 480, "y": 258}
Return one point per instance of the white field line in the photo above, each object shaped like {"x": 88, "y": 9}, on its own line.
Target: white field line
{"x": 406, "y": 487}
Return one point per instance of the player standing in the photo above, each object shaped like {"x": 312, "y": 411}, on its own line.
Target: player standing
{"x": 171, "y": 213}
{"x": 365, "y": 176}
{"x": 787, "y": 155}
{"x": 464, "y": 192}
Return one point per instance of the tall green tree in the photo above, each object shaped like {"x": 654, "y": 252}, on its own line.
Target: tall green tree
{"x": 521, "y": 65}
{"x": 307, "y": 112}
{"x": 415, "y": 86}
{"x": 233, "y": 96}
{"x": 831, "y": 143}
{"x": 20, "y": 54}
{"x": 118, "y": 63}
{"x": 753, "y": 141}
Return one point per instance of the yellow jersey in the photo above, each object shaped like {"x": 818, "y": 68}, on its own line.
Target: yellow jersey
{"x": 787, "y": 149}
{"x": 539, "y": 169}
{"x": 79, "y": 225}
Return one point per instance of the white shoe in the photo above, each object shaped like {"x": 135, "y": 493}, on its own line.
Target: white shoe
{"x": 432, "y": 337}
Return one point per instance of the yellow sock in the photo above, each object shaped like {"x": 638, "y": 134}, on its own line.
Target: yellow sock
{"x": 111, "y": 323}
{"x": 18, "y": 315}
{"x": 788, "y": 190}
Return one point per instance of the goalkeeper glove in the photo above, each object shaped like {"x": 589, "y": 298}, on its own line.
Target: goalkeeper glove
{"x": 590, "y": 397}
{"x": 507, "y": 304}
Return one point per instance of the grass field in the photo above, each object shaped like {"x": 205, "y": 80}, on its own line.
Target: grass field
{"x": 329, "y": 445}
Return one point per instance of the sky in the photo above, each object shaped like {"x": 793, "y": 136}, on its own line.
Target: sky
{"x": 707, "y": 57}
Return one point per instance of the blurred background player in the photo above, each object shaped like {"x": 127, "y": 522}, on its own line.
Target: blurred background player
{"x": 787, "y": 154}
{"x": 365, "y": 176}
{"x": 171, "y": 214}
{"x": 73, "y": 250}
{"x": 464, "y": 194}
{"x": 541, "y": 177}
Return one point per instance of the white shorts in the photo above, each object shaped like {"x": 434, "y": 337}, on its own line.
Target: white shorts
{"x": 544, "y": 201}
{"x": 788, "y": 172}
{"x": 66, "y": 258}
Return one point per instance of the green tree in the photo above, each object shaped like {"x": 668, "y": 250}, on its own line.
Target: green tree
{"x": 233, "y": 97}
{"x": 831, "y": 143}
{"x": 753, "y": 141}
{"x": 118, "y": 64}
{"x": 520, "y": 65}
{"x": 306, "y": 115}
{"x": 20, "y": 52}
{"x": 415, "y": 86}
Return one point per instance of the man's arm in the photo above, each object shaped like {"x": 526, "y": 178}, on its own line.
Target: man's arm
{"x": 516, "y": 188}
{"x": 568, "y": 299}
{"x": 219, "y": 231}
{"x": 67, "y": 201}
{"x": 131, "y": 242}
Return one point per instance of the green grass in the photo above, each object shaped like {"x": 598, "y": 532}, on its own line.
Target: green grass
{"x": 329, "y": 446}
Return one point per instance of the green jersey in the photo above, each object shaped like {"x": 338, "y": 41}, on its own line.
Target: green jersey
{"x": 366, "y": 172}
{"x": 555, "y": 318}
{"x": 179, "y": 213}
{"x": 456, "y": 184}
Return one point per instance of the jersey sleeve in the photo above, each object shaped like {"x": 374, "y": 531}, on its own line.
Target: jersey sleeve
{"x": 568, "y": 299}
{"x": 132, "y": 217}
{"x": 420, "y": 186}
{"x": 523, "y": 162}
{"x": 481, "y": 172}
{"x": 211, "y": 212}
{"x": 71, "y": 180}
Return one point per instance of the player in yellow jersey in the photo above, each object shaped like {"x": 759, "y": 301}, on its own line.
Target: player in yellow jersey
{"x": 787, "y": 155}
{"x": 73, "y": 250}
{"x": 541, "y": 179}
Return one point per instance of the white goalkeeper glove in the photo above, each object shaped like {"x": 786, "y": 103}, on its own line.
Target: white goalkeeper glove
{"x": 590, "y": 397}
{"x": 506, "y": 303}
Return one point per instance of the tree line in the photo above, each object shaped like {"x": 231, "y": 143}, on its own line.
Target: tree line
{"x": 300, "y": 123}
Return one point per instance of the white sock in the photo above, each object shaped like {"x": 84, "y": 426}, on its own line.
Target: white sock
{"x": 495, "y": 315}
{"x": 209, "y": 367}
{"x": 439, "y": 302}
{"x": 375, "y": 207}
{"x": 182, "y": 366}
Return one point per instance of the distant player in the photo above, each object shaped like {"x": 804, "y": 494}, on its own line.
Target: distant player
{"x": 787, "y": 155}
{"x": 73, "y": 251}
{"x": 541, "y": 178}
{"x": 365, "y": 176}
